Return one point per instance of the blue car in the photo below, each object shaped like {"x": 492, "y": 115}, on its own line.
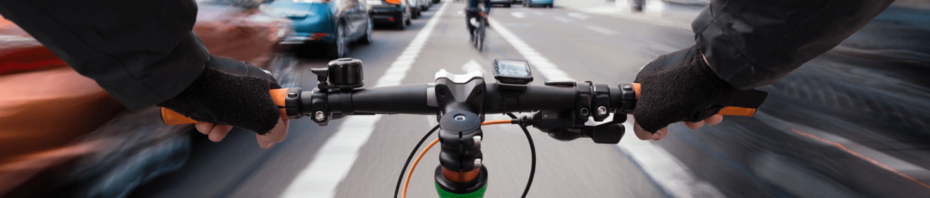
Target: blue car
{"x": 531, "y": 3}
{"x": 331, "y": 23}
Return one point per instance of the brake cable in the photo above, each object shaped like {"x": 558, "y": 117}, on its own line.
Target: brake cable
{"x": 409, "y": 173}
{"x": 529, "y": 139}
{"x": 401, "y": 177}
{"x": 514, "y": 121}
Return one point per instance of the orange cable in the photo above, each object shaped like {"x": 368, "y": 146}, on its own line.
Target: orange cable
{"x": 496, "y": 122}
{"x": 415, "y": 165}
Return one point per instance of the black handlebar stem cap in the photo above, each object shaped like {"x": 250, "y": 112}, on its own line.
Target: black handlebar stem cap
{"x": 460, "y": 120}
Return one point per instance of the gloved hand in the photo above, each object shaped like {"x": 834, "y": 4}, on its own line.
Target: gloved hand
{"x": 681, "y": 87}
{"x": 230, "y": 92}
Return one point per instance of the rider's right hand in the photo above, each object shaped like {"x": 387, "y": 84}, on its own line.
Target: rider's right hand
{"x": 232, "y": 93}
{"x": 677, "y": 87}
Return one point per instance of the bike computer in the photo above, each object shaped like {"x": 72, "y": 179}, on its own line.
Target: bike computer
{"x": 512, "y": 72}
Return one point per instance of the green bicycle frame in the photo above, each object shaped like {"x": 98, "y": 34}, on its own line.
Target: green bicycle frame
{"x": 477, "y": 194}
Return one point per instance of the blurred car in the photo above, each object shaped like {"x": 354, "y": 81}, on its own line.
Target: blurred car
{"x": 91, "y": 130}
{"x": 395, "y": 12}
{"x": 637, "y": 5}
{"x": 414, "y": 8}
{"x": 505, "y": 3}
{"x": 531, "y": 3}
{"x": 331, "y": 23}
{"x": 425, "y": 4}
{"x": 241, "y": 30}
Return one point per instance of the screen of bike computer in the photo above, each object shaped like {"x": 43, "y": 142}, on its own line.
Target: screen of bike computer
{"x": 512, "y": 68}
{"x": 512, "y": 71}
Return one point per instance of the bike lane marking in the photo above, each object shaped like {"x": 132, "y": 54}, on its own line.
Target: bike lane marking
{"x": 601, "y": 30}
{"x": 335, "y": 159}
{"x": 663, "y": 168}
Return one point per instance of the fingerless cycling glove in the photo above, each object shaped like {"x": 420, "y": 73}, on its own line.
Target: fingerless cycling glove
{"x": 230, "y": 92}
{"x": 681, "y": 87}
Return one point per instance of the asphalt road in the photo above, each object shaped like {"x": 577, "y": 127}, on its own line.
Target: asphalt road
{"x": 764, "y": 156}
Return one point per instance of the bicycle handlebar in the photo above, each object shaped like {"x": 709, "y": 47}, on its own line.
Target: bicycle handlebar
{"x": 561, "y": 109}
{"x": 413, "y": 99}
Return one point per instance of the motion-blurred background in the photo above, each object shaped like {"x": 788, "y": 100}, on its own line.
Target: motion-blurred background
{"x": 851, "y": 123}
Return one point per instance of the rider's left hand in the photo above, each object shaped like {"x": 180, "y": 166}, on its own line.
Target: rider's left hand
{"x": 216, "y": 133}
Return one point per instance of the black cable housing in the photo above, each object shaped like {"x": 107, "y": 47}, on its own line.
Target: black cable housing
{"x": 401, "y": 177}
{"x": 529, "y": 139}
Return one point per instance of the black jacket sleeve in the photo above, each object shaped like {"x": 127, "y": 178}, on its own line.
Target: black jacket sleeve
{"x": 140, "y": 51}
{"x": 751, "y": 43}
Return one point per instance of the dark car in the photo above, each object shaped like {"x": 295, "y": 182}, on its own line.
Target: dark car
{"x": 394, "y": 12}
{"x": 505, "y": 3}
{"x": 332, "y": 23}
{"x": 425, "y": 4}
{"x": 414, "y": 8}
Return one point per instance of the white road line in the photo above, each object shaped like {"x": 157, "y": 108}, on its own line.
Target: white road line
{"x": 542, "y": 64}
{"x": 578, "y": 15}
{"x": 665, "y": 169}
{"x": 334, "y": 161}
{"x": 473, "y": 65}
{"x": 562, "y": 19}
{"x": 601, "y": 30}
{"x": 518, "y": 14}
{"x": 662, "y": 167}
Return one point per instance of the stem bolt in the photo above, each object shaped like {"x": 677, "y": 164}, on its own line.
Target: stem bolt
{"x": 477, "y": 139}
{"x": 601, "y": 110}
{"x": 583, "y": 112}
{"x": 319, "y": 116}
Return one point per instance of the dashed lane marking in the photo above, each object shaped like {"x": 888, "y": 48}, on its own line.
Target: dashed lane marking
{"x": 601, "y": 30}
{"x": 542, "y": 64}
{"x": 333, "y": 162}
{"x": 519, "y": 15}
{"x": 562, "y": 19}
{"x": 578, "y": 15}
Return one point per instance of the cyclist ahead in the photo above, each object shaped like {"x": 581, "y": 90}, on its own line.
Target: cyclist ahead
{"x": 473, "y": 11}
